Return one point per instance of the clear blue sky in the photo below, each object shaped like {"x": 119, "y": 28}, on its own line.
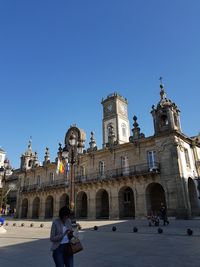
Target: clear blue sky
{"x": 58, "y": 58}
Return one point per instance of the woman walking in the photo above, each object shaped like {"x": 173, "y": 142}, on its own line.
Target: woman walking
{"x": 61, "y": 232}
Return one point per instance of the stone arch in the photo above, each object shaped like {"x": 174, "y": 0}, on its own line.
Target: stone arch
{"x": 64, "y": 200}
{"x": 102, "y": 204}
{"x": 126, "y": 203}
{"x": 82, "y": 208}
{"x": 24, "y": 211}
{"x": 49, "y": 207}
{"x": 36, "y": 208}
{"x": 193, "y": 197}
{"x": 155, "y": 195}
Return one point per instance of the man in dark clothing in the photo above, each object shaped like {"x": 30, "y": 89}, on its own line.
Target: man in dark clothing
{"x": 163, "y": 214}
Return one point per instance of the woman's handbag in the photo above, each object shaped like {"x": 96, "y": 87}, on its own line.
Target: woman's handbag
{"x": 74, "y": 246}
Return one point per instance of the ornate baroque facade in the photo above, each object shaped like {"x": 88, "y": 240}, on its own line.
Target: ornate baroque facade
{"x": 129, "y": 177}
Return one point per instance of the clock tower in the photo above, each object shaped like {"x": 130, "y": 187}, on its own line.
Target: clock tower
{"x": 115, "y": 116}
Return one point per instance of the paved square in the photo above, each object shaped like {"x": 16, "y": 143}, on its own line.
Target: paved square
{"x": 30, "y": 246}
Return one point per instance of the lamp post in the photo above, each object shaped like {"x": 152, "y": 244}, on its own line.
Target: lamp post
{"x": 70, "y": 154}
{"x": 5, "y": 190}
{"x": 3, "y": 176}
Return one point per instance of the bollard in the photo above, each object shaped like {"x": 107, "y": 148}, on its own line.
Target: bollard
{"x": 189, "y": 232}
{"x": 114, "y": 228}
{"x": 135, "y": 229}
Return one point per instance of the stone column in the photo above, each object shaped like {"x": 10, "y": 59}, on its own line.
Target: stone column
{"x": 42, "y": 207}
{"x": 140, "y": 201}
{"x": 30, "y": 208}
{"x": 56, "y": 205}
{"x": 92, "y": 205}
{"x": 114, "y": 203}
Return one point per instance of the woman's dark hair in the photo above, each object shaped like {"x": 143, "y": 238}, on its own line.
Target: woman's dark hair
{"x": 63, "y": 212}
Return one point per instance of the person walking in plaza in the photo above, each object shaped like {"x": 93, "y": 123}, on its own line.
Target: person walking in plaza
{"x": 163, "y": 214}
{"x": 61, "y": 233}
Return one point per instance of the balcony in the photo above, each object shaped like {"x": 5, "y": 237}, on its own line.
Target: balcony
{"x": 131, "y": 171}
{"x": 114, "y": 174}
{"x": 44, "y": 186}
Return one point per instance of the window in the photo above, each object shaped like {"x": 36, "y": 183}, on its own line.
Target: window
{"x": 127, "y": 196}
{"x": 101, "y": 168}
{"x": 187, "y": 159}
{"x": 163, "y": 120}
{"x": 38, "y": 180}
{"x": 51, "y": 177}
{"x": 30, "y": 163}
{"x": 151, "y": 158}
{"x": 125, "y": 165}
{"x": 123, "y": 129}
{"x": 82, "y": 171}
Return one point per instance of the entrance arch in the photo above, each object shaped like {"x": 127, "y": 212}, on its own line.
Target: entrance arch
{"x": 102, "y": 204}
{"x": 64, "y": 200}
{"x": 82, "y": 210}
{"x": 155, "y": 194}
{"x": 193, "y": 197}
{"x": 49, "y": 207}
{"x": 126, "y": 203}
{"x": 36, "y": 208}
{"x": 24, "y": 211}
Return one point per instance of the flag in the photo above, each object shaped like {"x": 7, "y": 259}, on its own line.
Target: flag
{"x": 58, "y": 166}
{"x": 61, "y": 167}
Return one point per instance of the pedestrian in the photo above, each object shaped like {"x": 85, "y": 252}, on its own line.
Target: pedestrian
{"x": 163, "y": 213}
{"x": 61, "y": 233}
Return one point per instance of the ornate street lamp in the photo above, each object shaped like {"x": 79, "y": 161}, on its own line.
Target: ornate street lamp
{"x": 74, "y": 144}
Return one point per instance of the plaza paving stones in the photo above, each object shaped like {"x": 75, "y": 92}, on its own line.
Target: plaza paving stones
{"x": 30, "y": 246}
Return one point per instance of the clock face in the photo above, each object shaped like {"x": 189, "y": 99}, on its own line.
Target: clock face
{"x": 123, "y": 108}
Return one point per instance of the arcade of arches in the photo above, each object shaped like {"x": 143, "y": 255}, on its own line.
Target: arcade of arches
{"x": 104, "y": 203}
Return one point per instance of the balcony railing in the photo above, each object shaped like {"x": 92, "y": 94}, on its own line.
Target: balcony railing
{"x": 131, "y": 171}
{"x": 44, "y": 186}
{"x": 140, "y": 169}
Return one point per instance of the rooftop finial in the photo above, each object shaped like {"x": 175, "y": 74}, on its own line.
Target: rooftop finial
{"x": 161, "y": 81}
{"x": 162, "y": 91}
{"x": 30, "y": 142}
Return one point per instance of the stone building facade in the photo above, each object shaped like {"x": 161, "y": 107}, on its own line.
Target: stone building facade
{"x": 128, "y": 178}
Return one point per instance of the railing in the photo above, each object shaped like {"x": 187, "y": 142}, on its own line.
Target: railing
{"x": 140, "y": 169}
{"x": 44, "y": 186}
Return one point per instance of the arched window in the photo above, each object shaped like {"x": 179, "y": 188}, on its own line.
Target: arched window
{"x": 30, "y": 163}
{"x": 164, "y": 120}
